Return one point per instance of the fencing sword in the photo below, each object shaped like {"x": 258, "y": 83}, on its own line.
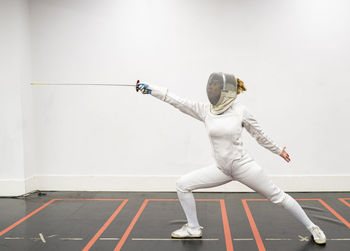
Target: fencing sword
{"x": 103, "y": 84}
{"x": 91, "y": 84}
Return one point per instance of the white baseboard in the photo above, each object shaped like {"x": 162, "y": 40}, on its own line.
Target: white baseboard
{"x": 12, "y": 187}
{"x": 31, "y": 184}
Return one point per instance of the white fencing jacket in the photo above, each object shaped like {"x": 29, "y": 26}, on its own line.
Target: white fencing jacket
{"x": 224, "y": 130}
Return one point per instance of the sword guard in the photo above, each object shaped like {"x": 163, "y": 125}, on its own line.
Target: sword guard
{"x": 137, "y": 87}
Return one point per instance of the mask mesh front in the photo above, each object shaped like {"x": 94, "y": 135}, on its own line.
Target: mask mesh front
{"x": 219, "y": 82}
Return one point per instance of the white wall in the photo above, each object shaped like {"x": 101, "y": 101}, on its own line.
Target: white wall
{"x": 15, "y": 74}
{"x": 293, "y": 56}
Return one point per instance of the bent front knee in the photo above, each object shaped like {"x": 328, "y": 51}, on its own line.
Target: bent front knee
{"x": 182, "y": 186}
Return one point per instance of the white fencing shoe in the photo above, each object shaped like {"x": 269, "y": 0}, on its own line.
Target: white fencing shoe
{"x": 187, "y": 232}
{"x": 318, "y": 235}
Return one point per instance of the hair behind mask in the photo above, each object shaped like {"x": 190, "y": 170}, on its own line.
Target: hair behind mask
{"x": 240, "y": 86}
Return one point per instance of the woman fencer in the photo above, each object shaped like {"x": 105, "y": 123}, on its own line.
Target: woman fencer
{"x": 224, "y": 119}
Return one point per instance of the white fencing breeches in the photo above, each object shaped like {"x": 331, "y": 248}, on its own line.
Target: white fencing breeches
{"x": 246, "y": 171}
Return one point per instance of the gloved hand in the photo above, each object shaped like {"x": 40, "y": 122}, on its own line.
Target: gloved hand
{"x": 143, "y": 88}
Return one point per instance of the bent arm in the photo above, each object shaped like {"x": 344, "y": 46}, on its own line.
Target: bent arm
{"x": 196, "y": 110}
{"x": 252, "y": 126}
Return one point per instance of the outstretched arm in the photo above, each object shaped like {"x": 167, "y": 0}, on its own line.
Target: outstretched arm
{"x": 196, "y": 110}
{"x": 252, "y": 126}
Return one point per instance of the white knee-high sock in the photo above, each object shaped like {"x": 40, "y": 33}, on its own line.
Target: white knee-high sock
{"x": 189, "y": 206}
{"x": 295, "y": 209}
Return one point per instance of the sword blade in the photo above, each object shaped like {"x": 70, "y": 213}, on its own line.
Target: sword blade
{"x": 102, "y": 84}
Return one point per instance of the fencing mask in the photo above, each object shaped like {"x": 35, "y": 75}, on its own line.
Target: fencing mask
{"x": 222, "y": 91}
